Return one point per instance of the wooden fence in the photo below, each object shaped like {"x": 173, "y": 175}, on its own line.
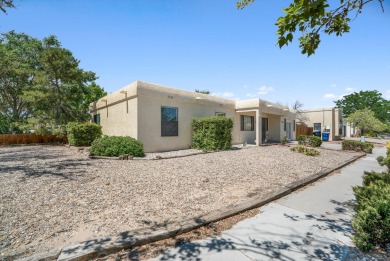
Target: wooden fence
{"x": 303, "y": 130}
{"x": 9, "y": 139}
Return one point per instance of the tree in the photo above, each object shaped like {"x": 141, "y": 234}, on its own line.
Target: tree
{"x": 372, "y": 100}
{"x": 60, "y": 87}
{"x": 311, "y": 18}
{"x": 6, "y": 4}
{"x": 299, "y": 114}
{"x": 19, "y": 65}
{"x": 202, "y": 91}
{"x": 42, "y": 84}
{"x": 365, "y": 120}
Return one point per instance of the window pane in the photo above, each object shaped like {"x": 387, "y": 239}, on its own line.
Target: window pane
{"x": 247, "y": 123}
{"x": 169, "y": 121}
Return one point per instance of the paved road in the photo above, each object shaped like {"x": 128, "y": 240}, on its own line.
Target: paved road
{"x": 309, "y": 224}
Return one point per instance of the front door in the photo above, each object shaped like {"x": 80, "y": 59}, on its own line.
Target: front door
{"x": 264, "y": 129}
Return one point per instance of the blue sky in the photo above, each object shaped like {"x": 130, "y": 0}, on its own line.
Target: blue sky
{"x": 210, "y": 45}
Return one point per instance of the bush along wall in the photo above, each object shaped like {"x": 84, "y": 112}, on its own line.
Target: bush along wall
{"x": 357, "y": 146}
{"x": 212, "y": 133}
{"x": 372, "y": 219}
{"x": 83, "y": 134}
{"x": 115, "y": 146}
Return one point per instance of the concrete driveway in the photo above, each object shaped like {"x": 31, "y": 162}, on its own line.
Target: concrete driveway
{"x": 313, "y": 223}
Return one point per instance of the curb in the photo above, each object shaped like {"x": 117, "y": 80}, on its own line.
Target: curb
{"x": 107, "y": 245}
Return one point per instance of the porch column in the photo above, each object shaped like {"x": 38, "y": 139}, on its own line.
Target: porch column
{"x": 258, "y": 128}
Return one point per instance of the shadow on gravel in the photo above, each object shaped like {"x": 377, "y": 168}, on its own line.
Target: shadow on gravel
{"x": 74, "y": 169}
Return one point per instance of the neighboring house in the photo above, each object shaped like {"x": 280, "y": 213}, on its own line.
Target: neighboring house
{"x": 326, "y": 120}
{"x": 161, "y": 117}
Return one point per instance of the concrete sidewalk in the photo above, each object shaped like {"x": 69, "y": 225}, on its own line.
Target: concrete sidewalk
{"x": 312, "y": 223}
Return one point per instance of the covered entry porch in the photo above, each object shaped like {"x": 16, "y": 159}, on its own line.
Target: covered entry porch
{"x": 265, "y": 123}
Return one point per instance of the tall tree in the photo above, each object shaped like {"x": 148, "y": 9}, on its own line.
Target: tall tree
{"x": 61, "y": 86}
{"x": 19, "y": 65}
{"x": 372, "y": 100}
{"x": 365, "y": 120}
{"x": 313, "y": 18}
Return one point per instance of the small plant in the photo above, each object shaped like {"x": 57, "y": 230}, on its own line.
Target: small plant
{"x": 284, "y": 140}
{"x": 115, "y": 146}
{"x": 357, "y": 146}
{"x": 302, "y": 139}
{"x": 83, "y": 134}
{"x": 306, "y": 151}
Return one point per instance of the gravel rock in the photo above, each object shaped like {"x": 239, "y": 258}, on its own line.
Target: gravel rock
{"x": 52, "y": 196}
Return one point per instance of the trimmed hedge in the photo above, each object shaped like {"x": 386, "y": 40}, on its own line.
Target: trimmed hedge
{"x": 306, "y": 151}
{"x": 212, "y": 133}
{"x": 372, "y": 221}
{"x": 357, "y": 146}
{"x": 82, "y": 134}
{"x": 313, "y": 141}
{"x": 115, "y": 146}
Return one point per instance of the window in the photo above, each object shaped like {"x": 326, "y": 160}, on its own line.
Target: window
{"x": 220, "y": 114}
{"x": 294, "y": 123}
{"x": 96, "y": 118}
{"x": 169, "y": 121}
{"x": 285, "y": 124}
{"x": 247, "y": 123}
{"x": 317, "y": 127}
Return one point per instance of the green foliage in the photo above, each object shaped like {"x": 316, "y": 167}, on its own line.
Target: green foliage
{"x": 357, "y": 146}
{"x": 306, "y": 140}
{"x": 358, "y": 101}
{"x": 212, "y": 133}
{"x": 42, "y": 80}
{"x": 365, "y": 120}
{"x": 313, "y": 18}
{"x": 315, "y": 141}
{"x": 5, "y": 125}
{"x": 284, "y": 140}
{"x": 306, "y": 151}
{"x": 6, "y": 4}
{"x": 202, "y": 91}
{"x": 115, "y": 146}
{"x": 83, "y": 134}
{"x": 372, "y": 221}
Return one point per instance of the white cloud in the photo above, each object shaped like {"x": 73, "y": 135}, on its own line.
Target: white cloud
{"x": 265, "y": 89}
{"x": 329, "y": 96}
{"x": 349, "y": 89}
{"x": 227, "y": 94}
{"x": 250, "y": 95}
{"x": 333, "y": 85}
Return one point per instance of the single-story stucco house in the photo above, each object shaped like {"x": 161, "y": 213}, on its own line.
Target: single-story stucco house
{"x": 326, "y": 120}
{"x": 161, "y": 117}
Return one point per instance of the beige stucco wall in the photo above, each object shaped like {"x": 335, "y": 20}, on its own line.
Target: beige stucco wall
{"x": 142, "y": 119}
{"x": 190, "y": 105}
{"x": 327, "y": 117}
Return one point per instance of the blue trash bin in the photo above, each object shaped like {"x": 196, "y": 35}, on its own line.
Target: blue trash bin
{"x": 325, "y": 136}
{"x": 317, "y": 133}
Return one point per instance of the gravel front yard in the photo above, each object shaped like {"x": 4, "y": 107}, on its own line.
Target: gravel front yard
{"x": 52, "y": 196}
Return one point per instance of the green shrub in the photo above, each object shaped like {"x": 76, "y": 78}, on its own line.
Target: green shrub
{"x": 357, "y": 146}
{"x": 212, "y": 133}
{"x": 83, "y": 134}
{"x": 302, "y": 139}
{"x": 115, "y": 146}
{"x": 372, "y": 221}
{"x": 315, "y": 141}
{"x": 306, "y": 151}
